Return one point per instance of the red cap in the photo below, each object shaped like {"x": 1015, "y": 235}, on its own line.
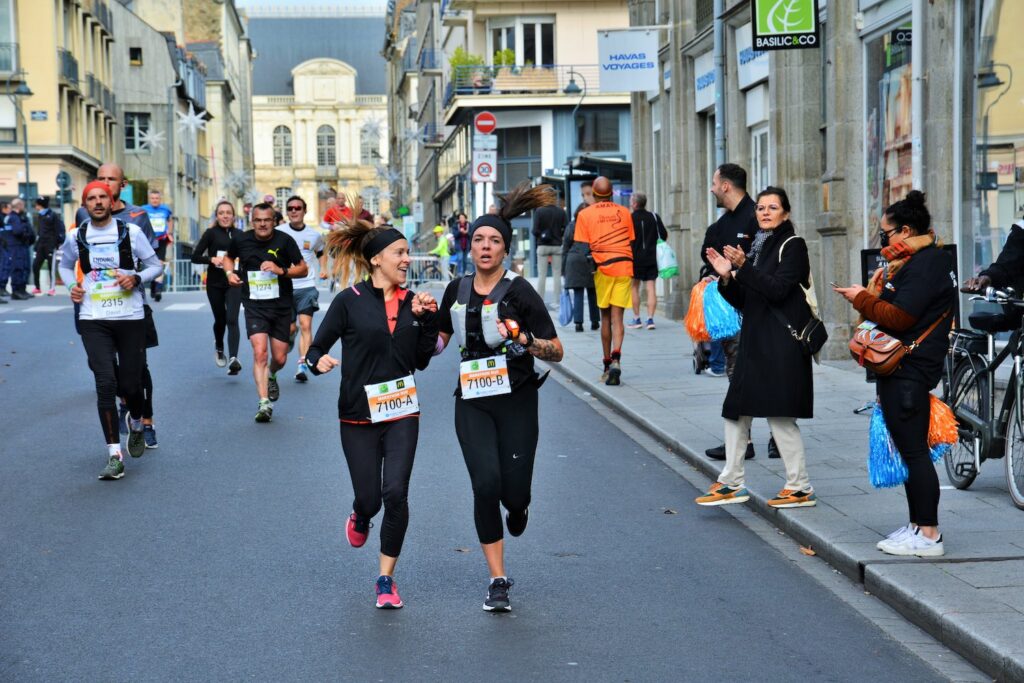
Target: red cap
{"x": 97, "y": 184}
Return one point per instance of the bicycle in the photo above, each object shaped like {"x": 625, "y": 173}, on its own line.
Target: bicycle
{"x": 969, "y": 390}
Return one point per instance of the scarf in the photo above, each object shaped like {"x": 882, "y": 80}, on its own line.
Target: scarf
{"x": 757, "y": 244}
{"x": 897, "y": 256}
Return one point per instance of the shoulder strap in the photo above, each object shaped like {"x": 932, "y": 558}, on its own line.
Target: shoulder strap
{"x": 809, "y": 294}
{"x": 496, "y": 294}
{"x": 465, "y": 289}
{"x": 931, "y": 328}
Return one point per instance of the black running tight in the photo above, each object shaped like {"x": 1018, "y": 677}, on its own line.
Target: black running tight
{"x": 498, "y": 435}
{"x": 907, "y": 408}
{"x": 380, "y": 458}
{"x": 224, "y": 301}
{"x": 117, "y": 356}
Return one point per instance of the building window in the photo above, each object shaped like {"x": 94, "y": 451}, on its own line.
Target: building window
{"x": 888, "y": 153}
{"x": 135, "y": 123}
{"x": 325, "y": 147}
{"x": 531, "y": 39}
{"x": 369, "y": 146}
{"x": 282, "y": 146}
{"x": 597, "y": 131}
{"x": 282, "y": 194}
{"x": 759, "y": 174}
{"x": 135, "y": 56}
{"x": 519, "y": 156}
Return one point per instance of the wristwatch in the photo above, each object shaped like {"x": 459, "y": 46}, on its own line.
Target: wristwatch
{"x": 529, "y": 339}
{"x": 138, "y": 280}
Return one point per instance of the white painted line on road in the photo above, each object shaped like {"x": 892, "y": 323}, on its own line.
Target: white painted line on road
{"x": 46, "y": 309}
{"x": 183, "y": 307}
{"x": 13, "y": 322}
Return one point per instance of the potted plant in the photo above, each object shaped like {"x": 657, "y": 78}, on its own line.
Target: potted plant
{"x": 468, "y": 71}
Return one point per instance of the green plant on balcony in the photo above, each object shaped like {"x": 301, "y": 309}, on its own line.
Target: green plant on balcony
{"x": 506, "y": 57}
{"x": 468, "y": 71}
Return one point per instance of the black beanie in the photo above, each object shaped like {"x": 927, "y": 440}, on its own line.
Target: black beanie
{"x": 496, "y": 222}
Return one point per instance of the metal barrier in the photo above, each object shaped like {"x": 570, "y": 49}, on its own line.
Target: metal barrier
{"x": 426, "y": 268}
{"x": 181, "y": 275}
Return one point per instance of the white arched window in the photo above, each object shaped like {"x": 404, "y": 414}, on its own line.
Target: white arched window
{"x": 325, "y": 146}
{"x": 282, "y": 146}
{"x": 369, "y": 145}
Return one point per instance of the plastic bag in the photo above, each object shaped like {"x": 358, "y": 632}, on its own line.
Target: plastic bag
{"x": 885, "y": 466}
{"x": 668, "y": 266}
{"x": 720, "y": 318}
{"x": 565, "y": 308}
{"x": 694, "y": 319}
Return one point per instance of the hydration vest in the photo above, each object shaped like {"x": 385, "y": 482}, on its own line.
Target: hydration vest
{"x": 124, "y": 248}
{"x": 488, "y": 317}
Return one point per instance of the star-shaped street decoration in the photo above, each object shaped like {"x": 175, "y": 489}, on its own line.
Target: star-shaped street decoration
{"x": 237, "y": 182}
{"x": 192, "y": 122}
{"x": 384, "y": 195}
{"x": 371, "y": 128}
{"x": 382, "y": 171}
{"x": 151, "y": 140}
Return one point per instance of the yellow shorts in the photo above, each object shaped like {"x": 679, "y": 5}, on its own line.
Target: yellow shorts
{"x": 613, "y": 291}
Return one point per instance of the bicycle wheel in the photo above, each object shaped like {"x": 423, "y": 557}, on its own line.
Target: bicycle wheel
{"x": 1015, "y": 458}
{"x": 968, "y": 390}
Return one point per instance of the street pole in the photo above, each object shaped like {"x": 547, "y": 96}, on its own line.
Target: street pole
{"x": 16, "y": 103}
{"x": 719, "y": 56}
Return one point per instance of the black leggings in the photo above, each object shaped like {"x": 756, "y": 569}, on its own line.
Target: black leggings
{"x": 906, "y": 407}
{"x": 224, "y": 301}
{"x": 117, "y": 356}
{"x": 43, "y": 255}
{"x": 498, "y": 435}
{"x": 380, "y": 458}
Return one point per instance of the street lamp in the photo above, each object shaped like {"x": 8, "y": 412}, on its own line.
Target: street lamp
{"x": 573, "y": 89}
{"x": 22, "y": 91}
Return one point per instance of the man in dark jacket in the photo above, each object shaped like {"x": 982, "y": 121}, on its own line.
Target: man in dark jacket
{"x": 1008, "y": 270}
{"x": 18, "y": 236}
{"x": 735, "y": 227}
{"x": 50, "y": 231}
{"x": 549, "y": 228}
{"x": 649, "y": 229}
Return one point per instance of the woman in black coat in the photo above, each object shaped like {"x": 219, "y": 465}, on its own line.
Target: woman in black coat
{"x": 773, "y": 376}
{"x": 579, "y": 277}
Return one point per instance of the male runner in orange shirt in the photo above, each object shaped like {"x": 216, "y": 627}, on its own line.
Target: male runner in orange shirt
{"x": 607, "y": 228}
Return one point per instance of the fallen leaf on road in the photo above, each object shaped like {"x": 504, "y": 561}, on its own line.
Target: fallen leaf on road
{"x": 462, "y": 550}
{"x": 807, "y": 551}
{"x": 669, "y": 511}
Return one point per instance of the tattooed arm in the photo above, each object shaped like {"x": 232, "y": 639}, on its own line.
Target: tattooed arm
{"x": 545, "y": 349}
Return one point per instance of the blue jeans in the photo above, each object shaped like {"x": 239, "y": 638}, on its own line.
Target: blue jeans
{"x": 716, "y": 359}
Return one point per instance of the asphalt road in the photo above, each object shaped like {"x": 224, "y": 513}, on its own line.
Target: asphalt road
{"x": 221, "y": 555}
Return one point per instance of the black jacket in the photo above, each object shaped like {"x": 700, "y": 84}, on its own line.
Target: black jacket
{"x": 648, "y": 229}
{"x": 772, "y": 376}
{"x": 50, "y": 230}
{"x": 215, "y": 239}
{"x": 736, "y": 228}
{"x": 575, "y": 266}
{"x": 549, "y": 225}
{"x": 370, "y": 352}
{"x": 1008, "y": 270}
{"x": 925, "y": 287}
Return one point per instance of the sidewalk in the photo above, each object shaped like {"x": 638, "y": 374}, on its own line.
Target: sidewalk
{"x": 972, "y": 599}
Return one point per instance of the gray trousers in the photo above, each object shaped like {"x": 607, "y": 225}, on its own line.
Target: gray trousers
{"x": 542, "y": 269}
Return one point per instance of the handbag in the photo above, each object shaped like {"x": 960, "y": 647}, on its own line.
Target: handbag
{"x": 565, "y": 308}
{"x": 882, "y": 353}
{"x": 813, "y": 335}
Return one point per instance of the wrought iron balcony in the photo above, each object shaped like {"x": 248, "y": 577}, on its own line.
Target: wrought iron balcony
{"x": 521, "y": 80}
{"x": 68, "y": 67}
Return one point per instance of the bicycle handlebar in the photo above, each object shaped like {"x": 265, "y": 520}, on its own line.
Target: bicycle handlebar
{"x": 999, "y": 296}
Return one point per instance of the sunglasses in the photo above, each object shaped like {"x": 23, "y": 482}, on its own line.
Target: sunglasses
{"x": 295, "y": 208}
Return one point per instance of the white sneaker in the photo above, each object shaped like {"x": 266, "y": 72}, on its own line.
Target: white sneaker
{"x": 916, "y": 545}
{"x": 895, "y": 537}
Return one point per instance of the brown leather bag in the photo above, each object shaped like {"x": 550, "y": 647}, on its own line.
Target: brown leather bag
{"x": 881, "y": 353}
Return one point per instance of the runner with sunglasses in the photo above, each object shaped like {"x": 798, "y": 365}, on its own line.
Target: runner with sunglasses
{"x": 305, "y": 296}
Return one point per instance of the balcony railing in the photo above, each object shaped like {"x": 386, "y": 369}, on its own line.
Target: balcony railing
{"x": 92, "y": 89}
{"x": 8, "y": 57}
{"x": 520, "y": 80}
{"x": 430, "y": 60}
{"x": 431, "y": 135}
{"x": 68, "y": 66}
{"x": 109, "y": 101}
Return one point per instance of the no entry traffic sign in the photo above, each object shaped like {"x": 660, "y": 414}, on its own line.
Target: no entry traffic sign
{"x": 485, "y": 122}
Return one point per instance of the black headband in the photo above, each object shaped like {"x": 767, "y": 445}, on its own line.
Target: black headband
{"x": 380, "y": 242}
{"x": 496, "y": 222}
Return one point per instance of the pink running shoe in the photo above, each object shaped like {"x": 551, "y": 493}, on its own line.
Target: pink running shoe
{"x": 387, "y": 593}
{"x": 356, "y": 535}
{"x": 52, "y": 292}
{"x": 37, "y": 291}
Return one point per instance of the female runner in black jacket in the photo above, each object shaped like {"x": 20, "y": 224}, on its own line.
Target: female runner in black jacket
{"x": 224, "y": 300}
{"x": 501, "y": 324}
{"x": 386, "y": 333}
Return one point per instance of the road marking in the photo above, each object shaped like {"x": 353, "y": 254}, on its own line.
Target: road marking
{"x": 46, "y": 309}
{"x": 13, "y": 322}
{"x": 183, "y": 307}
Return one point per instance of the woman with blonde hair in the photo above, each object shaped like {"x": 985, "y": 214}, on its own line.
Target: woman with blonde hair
{"x": 386, "y": 333}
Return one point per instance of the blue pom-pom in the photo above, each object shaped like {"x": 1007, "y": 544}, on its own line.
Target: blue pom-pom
{"x": 885, "y": 466}
{"x": 720, "y": 318}
{"x": 939, "y": 450}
